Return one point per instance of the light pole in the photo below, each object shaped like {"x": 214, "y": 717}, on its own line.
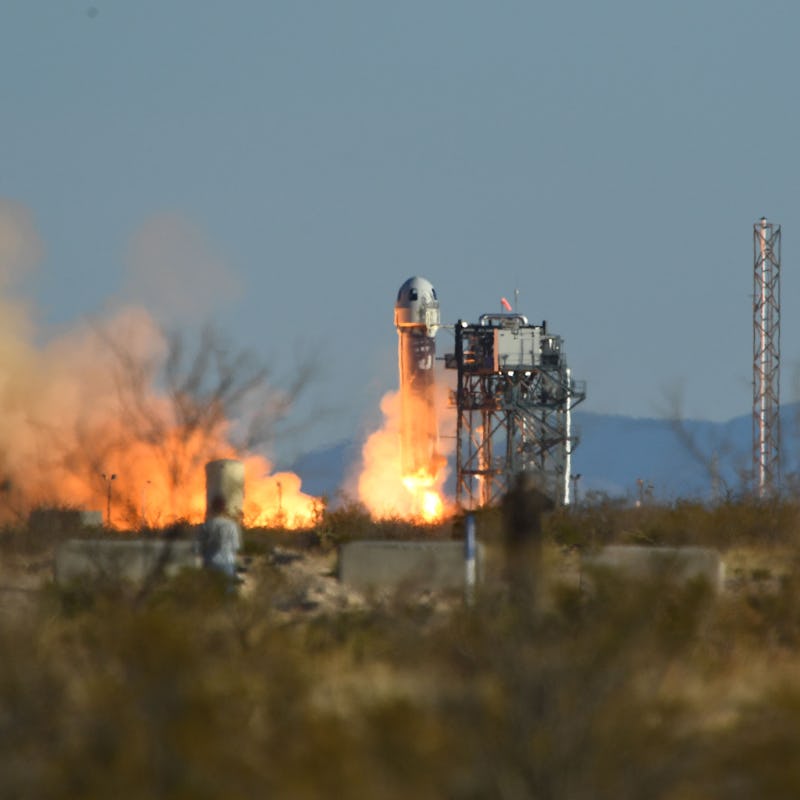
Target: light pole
{"x": 281, "y": 517}
{"x": 144, "y": 501}
{"x": 108, "y": 479}
{"x": 575, "y": 477}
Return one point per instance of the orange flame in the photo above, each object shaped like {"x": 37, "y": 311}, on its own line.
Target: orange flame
{"x": 276, "y": 499}
{"x": 429, "y": 503}
{"x": 85, "y": 406}
{"x": 382, "y": 485}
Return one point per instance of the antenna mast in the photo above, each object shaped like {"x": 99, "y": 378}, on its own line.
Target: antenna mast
{"x": 766, "y": 356}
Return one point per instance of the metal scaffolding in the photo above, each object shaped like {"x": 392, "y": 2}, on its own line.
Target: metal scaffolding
{"x": 513, "y": 401}
{"x": 766, "y": 356}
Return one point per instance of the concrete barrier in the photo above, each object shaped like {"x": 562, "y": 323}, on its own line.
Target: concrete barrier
{"x": 124, "y": 559}
{"x": 365, "y": 565}
{"x": 642, "y": 563}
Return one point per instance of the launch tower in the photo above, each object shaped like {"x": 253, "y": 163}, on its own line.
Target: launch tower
{"x": 513, "y": 399}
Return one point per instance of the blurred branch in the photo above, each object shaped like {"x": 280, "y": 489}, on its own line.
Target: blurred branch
{"x": 707, "y": 457}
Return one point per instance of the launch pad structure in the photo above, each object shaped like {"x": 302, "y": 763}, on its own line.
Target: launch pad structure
{"x": 513, "y": 400}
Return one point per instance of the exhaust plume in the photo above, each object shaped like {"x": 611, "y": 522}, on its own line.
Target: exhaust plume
{"x": 383, "y": 485}
{"x": 109, "y": 397}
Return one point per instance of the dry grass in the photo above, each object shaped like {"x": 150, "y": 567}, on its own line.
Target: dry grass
{"x": 654, "y": 690}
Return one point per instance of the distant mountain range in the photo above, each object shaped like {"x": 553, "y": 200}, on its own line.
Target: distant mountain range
{"x": 620, "y": 456}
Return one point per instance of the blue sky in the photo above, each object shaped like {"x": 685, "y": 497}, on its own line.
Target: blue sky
{"x": 294, "y": 162}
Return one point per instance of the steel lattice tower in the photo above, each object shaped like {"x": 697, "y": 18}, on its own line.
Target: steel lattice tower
{"x": 766, "y": 356}
{"x": 513, "y": 401}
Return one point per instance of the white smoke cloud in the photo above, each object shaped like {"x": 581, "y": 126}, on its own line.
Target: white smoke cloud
{"x": 88, "y": 402}
{"x": 20, "y": 246}
{"x": 174, "y": 271}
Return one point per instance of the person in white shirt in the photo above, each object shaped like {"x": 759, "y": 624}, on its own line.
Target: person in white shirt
{"x": 220, "y": 539}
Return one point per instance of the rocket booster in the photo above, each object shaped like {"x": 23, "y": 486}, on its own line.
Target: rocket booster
{"x": 416, "y": 317}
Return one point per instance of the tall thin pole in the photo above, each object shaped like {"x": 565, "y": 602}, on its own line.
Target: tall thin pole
{"x": 766, "y": 356}
{"x": 568, "y": 435}
{"x": 108, "y": 479}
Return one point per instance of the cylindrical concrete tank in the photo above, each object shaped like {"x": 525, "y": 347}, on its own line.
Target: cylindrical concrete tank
{"x": 225, "y": 478}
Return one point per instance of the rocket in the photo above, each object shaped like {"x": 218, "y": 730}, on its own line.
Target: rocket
{"x": 416, "y": 317}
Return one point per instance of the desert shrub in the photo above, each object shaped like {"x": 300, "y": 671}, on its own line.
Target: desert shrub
{"x": 634, "y": 689}
{"x": 734, "y": 523}
{"x": 194, "y": 694}
{"x": 262, "y": 541}
{"x": 754, "y": 756}
{"x": 352, "y": 521}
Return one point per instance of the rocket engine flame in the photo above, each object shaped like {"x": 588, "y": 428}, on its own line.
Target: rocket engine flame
{"x": 384, "y": 487}
{"x": 430, "y": 503}
{"x": 404, "y": 470}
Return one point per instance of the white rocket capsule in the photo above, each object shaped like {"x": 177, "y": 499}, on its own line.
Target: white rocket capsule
{"x": 416, "y": 316}
{"x": 417, "y": 306}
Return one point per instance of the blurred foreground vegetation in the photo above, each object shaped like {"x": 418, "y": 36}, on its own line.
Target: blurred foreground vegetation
{"x": 632, "y": 690}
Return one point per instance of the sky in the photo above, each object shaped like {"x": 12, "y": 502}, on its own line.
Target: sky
{"x": 280, "y": 168}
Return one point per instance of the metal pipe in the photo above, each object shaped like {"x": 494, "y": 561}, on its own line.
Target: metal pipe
{"x": 568, "y": 438}
{"x": 470, "y": 558}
